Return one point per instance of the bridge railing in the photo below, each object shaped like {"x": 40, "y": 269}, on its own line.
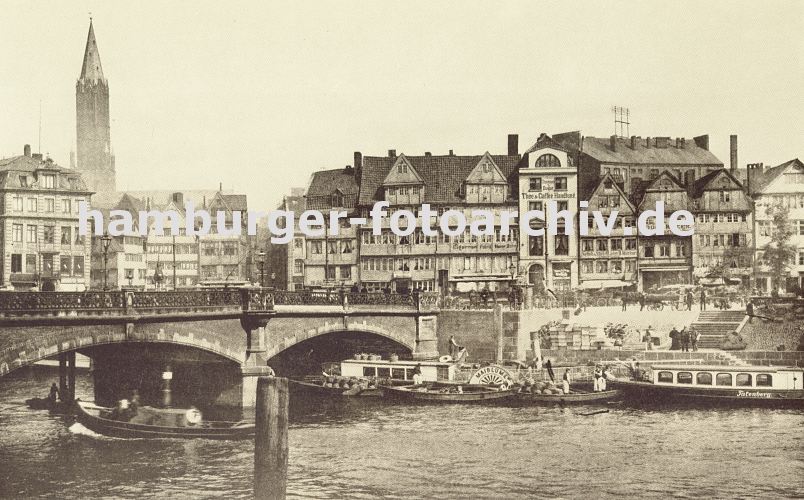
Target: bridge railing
{"x": 224, "y": 300}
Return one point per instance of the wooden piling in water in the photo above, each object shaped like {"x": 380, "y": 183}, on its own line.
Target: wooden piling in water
{"x": 271, "y": 439}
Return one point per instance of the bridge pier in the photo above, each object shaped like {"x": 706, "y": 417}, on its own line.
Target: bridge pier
{"x": 256, "y": 364}
{"x": 426, "y": 338}
{"x": 67, "y": 376}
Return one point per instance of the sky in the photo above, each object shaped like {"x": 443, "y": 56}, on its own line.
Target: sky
{"x": 259, "y": 95}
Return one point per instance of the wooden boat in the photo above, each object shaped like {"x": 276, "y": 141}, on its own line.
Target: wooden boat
{"x": 312, "y": 386}
{"x": 576, "y": 395}
{"x": 159, "y": 423}
{"x": 741, "y": 385}
{"x": 438, "y": 392}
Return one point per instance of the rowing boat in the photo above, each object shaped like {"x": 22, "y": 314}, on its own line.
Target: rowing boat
{"x": 159, "y": 423}
{"x": 575, "y": 396}
{"x": 435, "y": 392}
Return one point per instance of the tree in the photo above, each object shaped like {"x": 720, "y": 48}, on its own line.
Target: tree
{"x": 779, "y": 253}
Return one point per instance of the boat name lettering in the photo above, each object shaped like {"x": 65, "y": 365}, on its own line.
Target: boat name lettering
{"x": 746, "y": 394}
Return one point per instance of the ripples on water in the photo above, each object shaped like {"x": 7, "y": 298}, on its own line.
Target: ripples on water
{"x": 365, "y": 449}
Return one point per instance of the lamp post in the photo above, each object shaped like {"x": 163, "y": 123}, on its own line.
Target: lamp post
{"x": 106, "y": 240}
{"x": 261, "y": 262}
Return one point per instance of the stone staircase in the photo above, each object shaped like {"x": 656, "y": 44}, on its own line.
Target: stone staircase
{"x": 715, "y": 325}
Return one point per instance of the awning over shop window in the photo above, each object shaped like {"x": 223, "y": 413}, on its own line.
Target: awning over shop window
{"x": 598, "y": 284}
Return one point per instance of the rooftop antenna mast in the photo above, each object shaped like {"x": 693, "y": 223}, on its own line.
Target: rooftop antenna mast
{"x": 622, "y": 116}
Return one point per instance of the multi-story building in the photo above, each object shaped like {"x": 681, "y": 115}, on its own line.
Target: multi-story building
{"x": 458, "y": 263}
{"x": 331, "y": 259}
{"x": 225, "y": 257}
{"x": 283, "y": 264}
{"x": 723, "y": 244}
{"x": 780, "y": 186}
{"x": 39, "y": 234}
{"x": 125, "y": 265}
{"x": 608, "y": 261}
{"x": 548, "y": 173}
{"x": 665, "y": 259}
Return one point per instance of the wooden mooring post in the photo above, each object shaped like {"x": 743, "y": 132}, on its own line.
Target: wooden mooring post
{"x": 271, "y": 439}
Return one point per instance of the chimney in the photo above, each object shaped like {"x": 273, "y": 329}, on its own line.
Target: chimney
{"x": 683, "y": 143}
{"x": 733, "y": 152}
{"x": 26, "y": 150}
{"x": 427, "y": 153}
{"x": 647, "y": 142}
{"x": 702, "y": 141}
{"x": 451, "y": 153}
{"x": 754, "y": 173}
{"x": 392, "y": 153}
{"x": 513, "y": 144}
{"x": 613, "y": 143}
{"x": 178, "y": 199}
{"x": 220, "y": 187}
{"x": 678, "y": 143}
{"x": 633, "y": 142}
{"x": 348, "y": 169}
{"x": 358, "y": 160}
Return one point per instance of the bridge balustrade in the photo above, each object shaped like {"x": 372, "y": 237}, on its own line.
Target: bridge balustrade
{"x": 33, "y": 303}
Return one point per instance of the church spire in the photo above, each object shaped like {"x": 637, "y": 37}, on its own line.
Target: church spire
{"x": 91, "y": 69}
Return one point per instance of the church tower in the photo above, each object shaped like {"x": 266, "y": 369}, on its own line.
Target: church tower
{"x": 95, "y": 159}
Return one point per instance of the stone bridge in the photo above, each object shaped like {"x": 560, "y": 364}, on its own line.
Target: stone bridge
{"x": 246, "y": 326}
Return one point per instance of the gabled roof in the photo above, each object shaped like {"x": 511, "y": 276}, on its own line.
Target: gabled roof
{"x": 545, "y": 141}
{"x": 91, "y": 69}
{"x": 771, "y": 174}
{"x": 443, "y": 176}
{"x": 13, "y": 169}
{"x": 665, "y": 179}
{"x": 228, "y": 202}
{"x": 615, "y": 185}
{"x": 325, "y": 183}
{"x": 599, "y": 148}
{"x": 704, "y": 182}
{"x": 407, "y": 175}
{"x": 478, "y": 175}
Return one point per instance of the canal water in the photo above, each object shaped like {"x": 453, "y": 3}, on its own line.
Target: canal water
{"x": 368, "y": 449}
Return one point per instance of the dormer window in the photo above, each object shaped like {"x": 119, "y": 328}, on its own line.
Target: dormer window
{"x": 24, "y": 181}
{"x": 547, "y": 161}
{"x": 337, "y": 199}
{"x": 48, "y": 181}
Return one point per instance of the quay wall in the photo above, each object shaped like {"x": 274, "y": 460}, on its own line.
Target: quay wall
{"x": 477, "y": 330}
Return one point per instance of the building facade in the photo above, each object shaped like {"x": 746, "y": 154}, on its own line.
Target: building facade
{"x": 41, "y": 245}
{"x": 548, "y": 173}
{"x": 780, "y": 186}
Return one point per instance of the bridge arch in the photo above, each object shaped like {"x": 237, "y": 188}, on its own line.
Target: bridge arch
{"x": 276, "y": 345}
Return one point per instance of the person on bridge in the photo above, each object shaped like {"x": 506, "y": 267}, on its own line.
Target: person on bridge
{"x": 689, "y": 300}
{"x": 703, "y": 299}
{"x": 749, "y": 311}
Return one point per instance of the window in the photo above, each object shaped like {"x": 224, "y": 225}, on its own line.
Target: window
{"x": 588, "y": 245}
{"x": 535, "y": 183}
{"x": 66, "y": 235}
{"x": 65, "y": 262}
{"x": 725, "y": 196}
{"x": 347, "y": 246}
{"x": 602, "y": 245}
{"x": 547, "y": 160}
{"x": 603, "y": 202}
{"x": 30, "y": 263}
{"x": 562, "y": 244}
{"x": 743, "y": 380}
{"x": 703, "y": 378}
{"x": 30, "y": 234}
{"x": 50, "y": 205}
{"x": 18, "y": 203}
{"x": 561, "y": 184}
{"x": 723, "y": 379}
{"x": 602, "y": 266}
{"x": 332, "y": 247}
{"x": 32, "y": 205}
{"x": 535, "y": 205}
{"x": 47, "y": 234}
{"x": 588, "y": 266}
{"x": 48, "y": 181}
{"x": 630, "y": 244}
{"x": 684, "y": 377}
{"x": 648, "y": 250}
{"x": 16, "y": 263}
{"x": 229, "y": 248}
{"x": 562, "y": 205}
{"x": 615, "y": 201}
{"x": 664, "y": 250}
{"x": 764, "y": 380}
{"x": 47, "y": 264}
{"x": 536, "y": 245}
{"x": 16, "y": 233}
{"x": 66, "y": 206}
{"x": 329, "y": 273}
{"x": 346, "y": 272}
{"x": 535, "y": 275}
{"x": 616, "y": 244}
{"x": 666, "y": 377}
{"x": 299, "y": 243}
{"x": 316, "y": 247}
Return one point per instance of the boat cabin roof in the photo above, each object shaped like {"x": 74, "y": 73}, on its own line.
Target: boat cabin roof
{"x": 726, "y": 368}
{"x": 402, "y": 363}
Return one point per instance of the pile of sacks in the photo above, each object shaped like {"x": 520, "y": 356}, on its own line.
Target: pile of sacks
{"x": 347, "y": 382}
{"x": 549, "y": 387}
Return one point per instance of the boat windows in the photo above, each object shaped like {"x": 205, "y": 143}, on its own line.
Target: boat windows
{"x": 743, "y": 380}
{"x": 703, "y": 378}
{"x": 666, "y": 377}
{"x": 764, "y": 380}
{"x": 723, "y": 379}
{"x": 684, "y": 377}
{"x": 369, "y": 371}
{"x": 383, "y": 372}
{"x": 398, "y": 373}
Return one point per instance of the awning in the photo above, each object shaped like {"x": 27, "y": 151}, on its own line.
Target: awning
{"x": 480, "y": 278}
{"x": 664, "y": 269}
{"x": 598, "y": 284}
{"x": 711, "y": 281}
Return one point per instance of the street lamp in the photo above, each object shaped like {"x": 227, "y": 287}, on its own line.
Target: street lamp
{"x": 261, "y": 262}
{"x": 106, "y": 240}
